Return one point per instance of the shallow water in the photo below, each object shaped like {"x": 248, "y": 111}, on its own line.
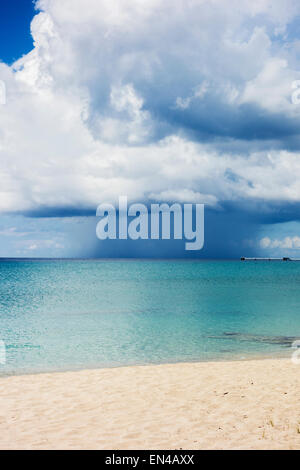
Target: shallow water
{"x": 65, "y": 315}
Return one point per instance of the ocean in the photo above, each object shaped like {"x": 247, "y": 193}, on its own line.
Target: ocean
{"x": 77, "y": 314}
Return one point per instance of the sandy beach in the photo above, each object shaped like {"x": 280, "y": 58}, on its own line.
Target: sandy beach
{"x": 224, "y": 405}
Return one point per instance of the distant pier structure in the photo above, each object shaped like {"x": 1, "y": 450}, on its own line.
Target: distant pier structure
{"x": 266, "y": 259}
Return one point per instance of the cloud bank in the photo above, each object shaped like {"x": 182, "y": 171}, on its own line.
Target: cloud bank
{"x": 155, "y": 99}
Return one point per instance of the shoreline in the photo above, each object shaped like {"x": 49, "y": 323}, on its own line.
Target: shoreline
{"x": 259, "y": 357}
{"x": 246, "y": 404}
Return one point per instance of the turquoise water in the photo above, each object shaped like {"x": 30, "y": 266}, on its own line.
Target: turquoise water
{"x": 66, "y": 315}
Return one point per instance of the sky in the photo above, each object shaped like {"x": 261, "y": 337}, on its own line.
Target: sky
{"x": 15, "y": 37}
{"x": 160, "y": 100}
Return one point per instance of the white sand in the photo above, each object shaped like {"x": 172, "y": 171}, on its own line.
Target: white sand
{"x": 233, "y": 405}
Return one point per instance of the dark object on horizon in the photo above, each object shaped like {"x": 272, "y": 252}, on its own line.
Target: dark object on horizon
{"x": 266, "y": 259}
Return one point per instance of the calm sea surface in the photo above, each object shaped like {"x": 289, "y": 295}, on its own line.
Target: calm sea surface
{"x": 65, "y": 315}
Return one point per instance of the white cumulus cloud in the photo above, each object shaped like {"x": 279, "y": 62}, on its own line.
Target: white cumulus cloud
{"x": 100, "y": 106}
